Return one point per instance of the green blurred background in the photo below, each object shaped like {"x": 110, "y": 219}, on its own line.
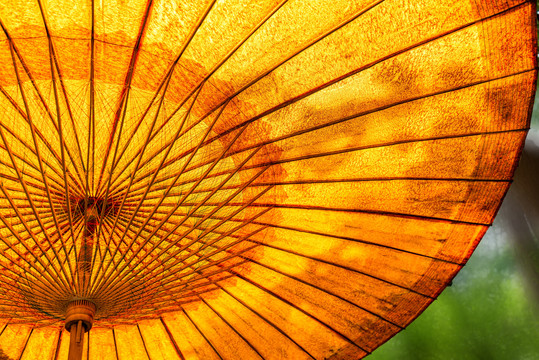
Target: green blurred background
{"x": 491, "y": 311}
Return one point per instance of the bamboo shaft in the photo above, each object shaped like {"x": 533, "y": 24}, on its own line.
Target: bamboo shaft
{"x": 76, "y": 342}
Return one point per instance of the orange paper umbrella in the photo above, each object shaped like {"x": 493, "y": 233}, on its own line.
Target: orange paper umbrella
{"x": 272, "y": 179}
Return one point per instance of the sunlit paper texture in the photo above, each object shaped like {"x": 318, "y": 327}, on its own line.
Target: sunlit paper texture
{"x": 274, "y": 179}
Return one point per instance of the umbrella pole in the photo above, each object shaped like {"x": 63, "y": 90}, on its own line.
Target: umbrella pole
{"x": 79, "y": 319}
{"x": 76, "y": 342}
{"x": 80, "y": 313}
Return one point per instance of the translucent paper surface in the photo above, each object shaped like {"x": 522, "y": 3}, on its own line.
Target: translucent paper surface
{"x": 271, "y": 179}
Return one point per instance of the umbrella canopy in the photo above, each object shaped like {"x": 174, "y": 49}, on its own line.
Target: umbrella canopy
{"x": 230, "y": 179}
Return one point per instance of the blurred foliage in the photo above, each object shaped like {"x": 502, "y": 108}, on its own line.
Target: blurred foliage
{"x": 486, "y": 314}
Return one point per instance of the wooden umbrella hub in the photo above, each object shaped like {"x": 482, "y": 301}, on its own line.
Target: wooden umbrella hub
{"x": 80, "y": 310}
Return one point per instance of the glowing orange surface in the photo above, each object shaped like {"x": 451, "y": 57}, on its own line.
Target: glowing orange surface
{"x": 272, "y": 179}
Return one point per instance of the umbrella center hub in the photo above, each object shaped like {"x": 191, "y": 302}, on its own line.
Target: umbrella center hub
{"x": 80, "y": 310}
{"x": 94, "y": 209}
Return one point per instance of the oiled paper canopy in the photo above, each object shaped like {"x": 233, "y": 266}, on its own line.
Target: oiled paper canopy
{"x": 265, "y": 179}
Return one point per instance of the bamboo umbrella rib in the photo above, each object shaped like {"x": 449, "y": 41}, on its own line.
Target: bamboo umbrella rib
{"x": 54, "y": 64}
{"x": 26, "y": 162}
{"x": 159, "y": 309}
{"x": 346, "y": 119}
{"x": 119, "y": 211}
{"x": 91, "y": 114}
{"x": 205, "y": 199}
{"x": 241, "y": 223}
{"x": 139, "y": 158}
{"x": 361, "y": 241}
{"x": 14, "y": 221}
{"x": 163, "y": 85}
{"x": 313, "y": 181}
{"x": 68, "y": 105}
{"x": 157, "y": 255}
{"x": 57, "y": 351}
{"x": 265, "y": 319}
{"x": 249, "y": 260}
{"x": 361, "y": 12}
{"x": 15, "y": 54}
{"x": 182, "y": 286}
{"x": 176, "y": 159}
{"x": 21, "y": 196}
{"x": 360, "y": 272}
{"x": 277, "y": 296}
{"x": 177, "y": 176}
{"x": 123, "y": 103}
{"x": 215, "y": 350}
{"x": 342, "y": 151}
{"x": 158, "y": 169}
{"x": 185, "y": 291}
{"x": 44, "y": 267}
{"x": 348, "y": 269}
{"x": 3, "y": 326}
{"x": 140, "y": 152}
{"x": 172, "y": 273}
{"x": 270, "y": 323}
{"x": 220, "y": 233}
{"x": 231, "y": 97}
{"x": 125, "y": 94}
{"x": 364, "y": 147}
{"x": 378, "y": 109}
{"x": 8, "y": 197}
{"x": 229, "y": 233}
{"x": 214, "y": 190}
{"x": 327, "y": 291}
{"x": 166, "y": 80}
{"x": 115, "y": 344}
{"x": 102, "y": 256}
{"x": 171, "y": 338}
{"x": 358, "y": 210}
{"x": 289, "y": 251}
{"x": 176, "y": 244}
{"x": 370, "y": 211}
{"x": 171, "y": 284}
{"x": 143, "y": 343}
{"x": 97, "y": 281}
{"x": 39, "y": 190}
{"x": 363, "y": 68}
{"x": 27, "y": 146}
{"x": 175, "y": 273}
{"x": 378, "y": 179}
{"x": 27, "y": 271}
{"x": 62, "y": 152}
{"x": 26, "y": 342}
{"x": 232, "y": 327}
{"x": 22, "y": 158}
{"x": 211, "y": 72}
